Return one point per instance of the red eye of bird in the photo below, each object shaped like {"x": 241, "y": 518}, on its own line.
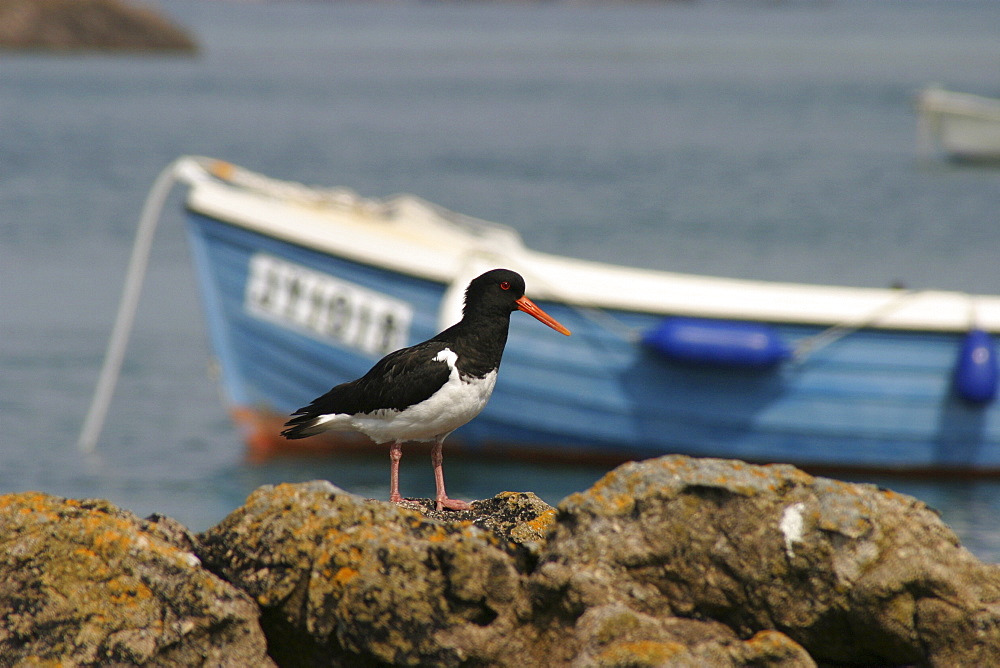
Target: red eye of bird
{"x": 505, "y": 285}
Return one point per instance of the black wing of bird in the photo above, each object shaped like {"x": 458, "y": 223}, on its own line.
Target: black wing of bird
{"x": 397, "y": 381}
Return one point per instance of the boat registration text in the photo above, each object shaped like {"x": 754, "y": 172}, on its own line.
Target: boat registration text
{"x": 326, "y": 307}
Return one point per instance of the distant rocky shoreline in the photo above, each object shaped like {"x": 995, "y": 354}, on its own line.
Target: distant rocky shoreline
{"x": 82, "y": 25}
{"x": 670, "y": 562}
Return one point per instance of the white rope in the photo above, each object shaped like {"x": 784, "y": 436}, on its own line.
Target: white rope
{"x": 802, "y": 350}
{"x": 809, "y": 345}
{"x": 127, "y": 307}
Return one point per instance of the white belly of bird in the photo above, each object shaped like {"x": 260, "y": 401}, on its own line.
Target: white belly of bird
{"x": 458, "y": 401}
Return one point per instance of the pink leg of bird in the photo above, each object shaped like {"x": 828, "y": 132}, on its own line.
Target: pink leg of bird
{"x": 395, "y": 454}
{"x": 437, "y": 460}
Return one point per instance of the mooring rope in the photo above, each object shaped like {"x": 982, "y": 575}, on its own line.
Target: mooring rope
{"x": 127, "y": 306}
{"x": 804, "y": 348}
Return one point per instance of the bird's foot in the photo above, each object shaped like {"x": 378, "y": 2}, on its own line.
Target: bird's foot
{"x": 395, "y": 498}
{"x": 452, "y": 504}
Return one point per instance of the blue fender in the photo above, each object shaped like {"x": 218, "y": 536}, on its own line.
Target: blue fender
{"x": 718, "y": 342}
{"x": 976, "y": 373}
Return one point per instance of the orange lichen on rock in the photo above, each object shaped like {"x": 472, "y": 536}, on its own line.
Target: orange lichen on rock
{"x": 345, "y": 574}
{"x": 641, "y": 653}
{"x": 99, "y": 583}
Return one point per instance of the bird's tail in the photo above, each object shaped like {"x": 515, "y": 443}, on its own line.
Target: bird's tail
{"x": 303, "y": 426}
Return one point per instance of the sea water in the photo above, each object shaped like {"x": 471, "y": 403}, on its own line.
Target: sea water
{"x": 768, "y": 140}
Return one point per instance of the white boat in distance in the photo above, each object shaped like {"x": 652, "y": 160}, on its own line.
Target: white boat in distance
{"x": 965, "y": 127}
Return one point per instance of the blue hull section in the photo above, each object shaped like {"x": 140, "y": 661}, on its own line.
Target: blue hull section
{"x": 288, "y": 322}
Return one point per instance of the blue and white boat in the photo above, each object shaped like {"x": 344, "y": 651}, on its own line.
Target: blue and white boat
{"x": 306, "y": 287}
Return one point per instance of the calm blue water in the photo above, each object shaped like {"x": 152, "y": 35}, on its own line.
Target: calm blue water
{"x": 762, "y": 140}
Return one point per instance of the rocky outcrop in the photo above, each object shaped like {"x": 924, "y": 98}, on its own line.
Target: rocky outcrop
{"x": 855, "y": 574}
{"x": 669, "y": 562}
{"x": 88, "y": 25}
{"x": 84, "y": 583}
{"x": 344, "y": 581}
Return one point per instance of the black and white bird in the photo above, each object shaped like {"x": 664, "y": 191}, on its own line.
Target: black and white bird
{"x": 426, "y": 391}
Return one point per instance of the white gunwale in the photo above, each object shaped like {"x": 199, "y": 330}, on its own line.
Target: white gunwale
{"x": 416, "y": 238}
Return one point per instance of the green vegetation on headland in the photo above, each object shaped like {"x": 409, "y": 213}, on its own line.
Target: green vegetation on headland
{"x": 88, "y": 25}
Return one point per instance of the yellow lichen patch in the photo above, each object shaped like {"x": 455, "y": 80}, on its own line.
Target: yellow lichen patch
{"x": 891, "y": 495}
{"x": 334, "y": 536}
{"x": 110, "y": 538}
{"x": 284, "y": 489}
{"x": 91, "y": 522}
{"x": 84, "y": 552}
{"x": 615, "y": 504}
{"x": 597, "y": 495}
{"x": 543, "y": 521}
{"x": 770, "y": 639}
{"x": 597, "y": 489}
{"x": 438, "y": 537}
{"x": 364, "y": 534}
{"x": 801, "y": 477}
{"x": 640, "y": 653}
{"x": 34, "y": 506}
{"x": 39, "y": 662}
{"x": 127, "y": 591}
{"x": 35, "y": 500}
{"x": 345, "y": 575}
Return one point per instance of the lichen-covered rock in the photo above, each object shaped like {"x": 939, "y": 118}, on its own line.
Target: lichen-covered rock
{"x": 673, "y": 562}
{"x": 855, "y": 574}
{"x": 348, "y": 581}
{"x": 615, "y": 635}
{"x": 83, "y": 582}
{"x": 518, "y": 517}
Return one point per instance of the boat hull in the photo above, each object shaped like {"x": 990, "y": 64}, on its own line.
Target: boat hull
{"x": 287, "y": 322}
{"x": 966, "y": 127}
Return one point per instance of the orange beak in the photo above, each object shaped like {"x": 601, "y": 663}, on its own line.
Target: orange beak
{"x": 529, "y": 307}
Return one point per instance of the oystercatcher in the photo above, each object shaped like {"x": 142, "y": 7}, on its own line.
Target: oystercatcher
{"x": 426, "y": 391}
